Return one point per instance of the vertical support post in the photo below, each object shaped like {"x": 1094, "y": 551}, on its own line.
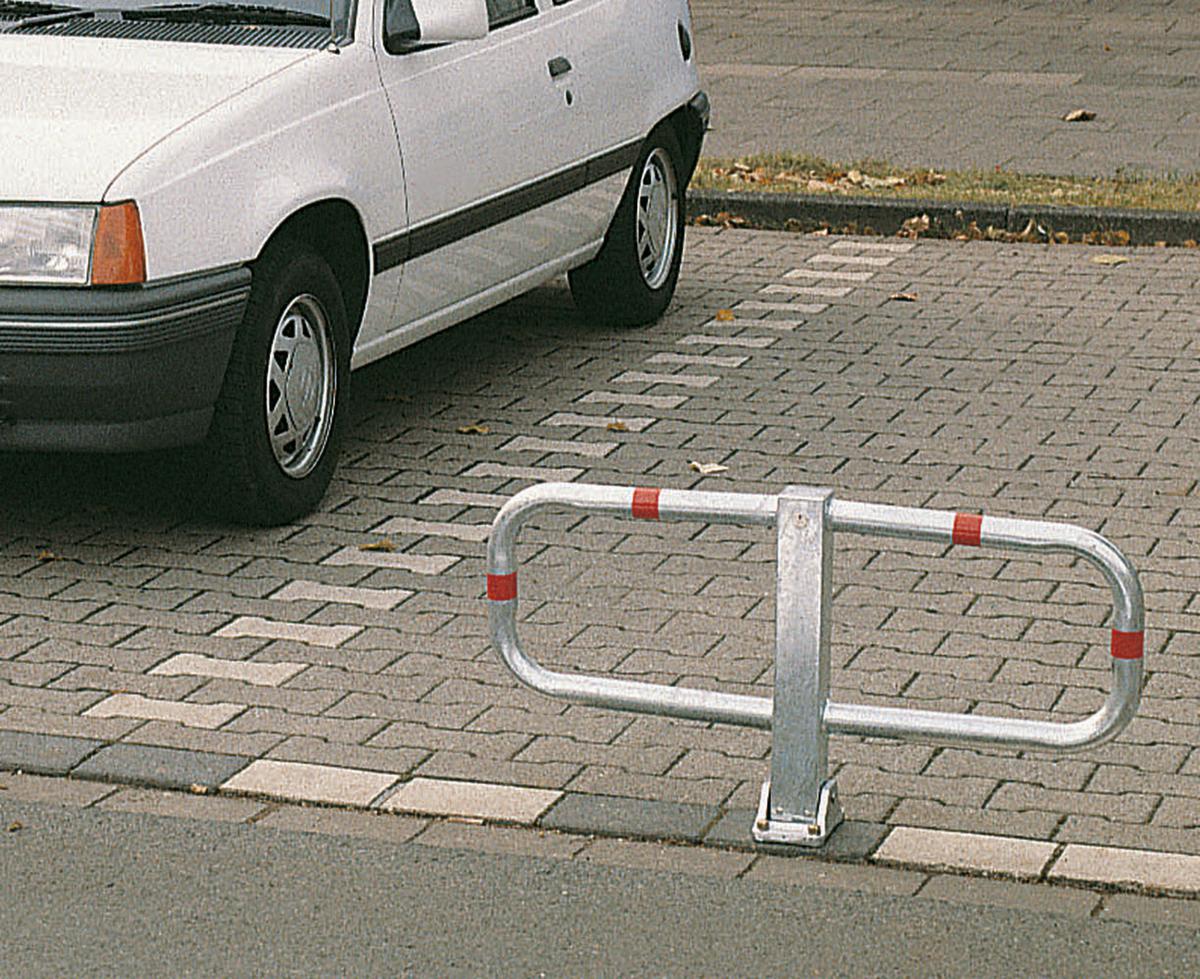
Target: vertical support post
{"x": 799, "y": 804}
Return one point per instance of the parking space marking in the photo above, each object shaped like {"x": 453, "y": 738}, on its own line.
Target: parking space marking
{"x": 829, "y": 274}
{"x": 208, "y": 716}
{"x": 569, "y": 418}
{"x": 254, "y": 627}
{"x": 684, "y": 380}
{"x": 259, "y": 674}
{"x": 472, "y": 533}
{"x": 828, "y": 258}
{"x": 483, "y": 470}
{"x": 663, "y": 401}
{"x": 783, "y": 289}
{"x": 525, "y": 443}
{"x": 450, "y": 497}
{"x": 765, "y": 306}
{"x": 707, "y": 340}
{"x": 703, "y": 360}
{"x": 314, "y": 591}
{"x": 416, "y": 563}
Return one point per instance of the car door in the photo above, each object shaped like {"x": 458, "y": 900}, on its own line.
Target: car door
{"x": 490, "y": 149}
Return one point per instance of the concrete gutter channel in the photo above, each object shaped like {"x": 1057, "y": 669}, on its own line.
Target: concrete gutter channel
{"x": 76, "y": 771}
{"x": 867, "y": 215}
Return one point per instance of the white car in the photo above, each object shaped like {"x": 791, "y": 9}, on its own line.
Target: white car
{"x": 211, "y": 213}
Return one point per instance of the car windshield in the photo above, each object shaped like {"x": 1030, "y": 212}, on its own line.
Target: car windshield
{"x": 176, "y": 9}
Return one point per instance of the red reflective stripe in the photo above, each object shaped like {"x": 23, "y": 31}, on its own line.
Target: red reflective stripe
{"x": 645, "y": 503}
{"x": 502, "y": 587}
{"x": 967, "y": 528}
{"x": 1127, "y": 645}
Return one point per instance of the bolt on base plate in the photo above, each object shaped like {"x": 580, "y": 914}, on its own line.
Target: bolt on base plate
{"x": 802, "y": 833}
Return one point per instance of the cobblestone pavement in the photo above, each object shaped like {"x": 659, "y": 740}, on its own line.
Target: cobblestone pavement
{"x": 958, "y": 83}
{"x": 1022, "y": 381}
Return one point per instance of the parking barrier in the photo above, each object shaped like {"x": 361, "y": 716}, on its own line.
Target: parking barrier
{"x": 799, "y": 802}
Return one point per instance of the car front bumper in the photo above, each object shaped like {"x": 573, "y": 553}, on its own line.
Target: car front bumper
{"x": 116, "y": 369}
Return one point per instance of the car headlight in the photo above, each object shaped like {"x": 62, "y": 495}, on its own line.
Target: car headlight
{"x": 71, "y": 245}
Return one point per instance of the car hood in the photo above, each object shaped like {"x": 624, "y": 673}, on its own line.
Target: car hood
{"x": 74, "y": 112}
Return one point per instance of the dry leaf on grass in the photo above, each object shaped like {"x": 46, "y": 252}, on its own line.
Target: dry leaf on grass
{"x": 479, "y": 428}
{"x": 380, "y": 545}
{"x": 914, "y": 226}
{"x": 707, "y": 468}
{"x": 1110, "y": 259}
{"x": 904, "y": 297}
{"x": 1079, "y": 115}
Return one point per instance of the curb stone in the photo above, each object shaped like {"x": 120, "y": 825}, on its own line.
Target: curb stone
{"x": 870, "y": 215}
{"x": 582, "y": 814}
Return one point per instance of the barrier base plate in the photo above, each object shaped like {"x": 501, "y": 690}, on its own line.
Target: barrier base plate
{"x": 802, "y": 833}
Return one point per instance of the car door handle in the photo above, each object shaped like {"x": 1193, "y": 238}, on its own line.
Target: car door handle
{"x": 558, "y": 66}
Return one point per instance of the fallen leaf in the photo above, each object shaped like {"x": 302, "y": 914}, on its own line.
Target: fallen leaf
{"x": 617, "y": 426}
{"x": 904, "y": 297}
{"x": 1110, "y": 259}
{"x": 479, "y": 428}
{"x": 724, "y": 316}
{"x": 707, "y": 468}
{"x": 1191, "y": 243}
{"x": 15, "y": 825}
{"x": 1079, "y": 115}
{"x": 47, "y": 556}
{"x": 379, "y": 545}
{"x": 197, "y": 789}
{"x": 914, "y": 226}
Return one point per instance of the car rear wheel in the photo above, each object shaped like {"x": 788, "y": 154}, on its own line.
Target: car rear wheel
{"x": 276, "y": 431}
{"x": 632, "y": 279}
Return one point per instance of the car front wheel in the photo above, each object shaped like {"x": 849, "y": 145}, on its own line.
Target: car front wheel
{"x": 276, "y": 430}
{"x": 632, "y": 279}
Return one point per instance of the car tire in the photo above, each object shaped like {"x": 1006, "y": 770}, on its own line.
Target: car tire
{"x": 277, "y": 427}
{"x": 632, "y": 279}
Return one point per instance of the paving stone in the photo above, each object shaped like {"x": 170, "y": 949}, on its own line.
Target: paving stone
{"x": 852, "y": 840}
{"x": 480, "y": 800}
{"x": 303, "y": 782}
{"x": 618, "y": 816}
{"x": 313, "y": 591}
{"x": 668, "y": 857}
{"x": 501, "y": 839}
{"x": 18, "y": 787}
{"x": 181, "y": 805}
{"x": 168, "y": 768}
{"x": 316, "y": 635}
{"x": 1161, "y": 911}
{"x": 1011, "y": 894}
{"x": 806, "y": 873}
{"x": 267, "y": 674}
{"x": 42, "y": 754}
{"x": 146, "y": 708}
{"x": 939, "y": 849}
{"x": 338, "y": 822}
{"x": 1142, "y": 868}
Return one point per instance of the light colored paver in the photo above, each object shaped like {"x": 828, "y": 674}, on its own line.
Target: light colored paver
{"x": 965, "y": 851}
{"x": 822, "y": 258}
{"x": 783, "y": 289}
{"x": 314, "y": 591}
{"x": 550, "y": 474}
{"x": 479, "y": 800}
{"x": 834, "y": 274}
{"x": 570, "y": 418}
{"x": 260, "y": 674}
{"x": 766, "y": 306}
{"x": 776, "y": 324}
{"x": 525, "y": 443}
{"x": 707, "y": 340}
{"x": 182, "y": 806}
{"x": 416, "y": 563}
{"x": 451, "y": 497}
{"x": 683, "y": 380}
{"x": 209, "y": 716}
{"x": 251, "y": 626}
{"x": 303, "y": 782}
{"x": 664, "y": 401}
{"x": 704, "y": 360}
{"x": 1111, "y": 865}
{"x": 858, "y": 245}
{"x": 472, "y": 533}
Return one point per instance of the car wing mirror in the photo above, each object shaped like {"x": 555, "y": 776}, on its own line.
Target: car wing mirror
{"x": 411, "y": 23}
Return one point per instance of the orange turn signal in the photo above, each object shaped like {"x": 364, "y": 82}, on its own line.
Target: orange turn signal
{"x": 119, "y": 253}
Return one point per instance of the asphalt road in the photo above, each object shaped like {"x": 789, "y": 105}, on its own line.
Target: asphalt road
{"x": 117, "y": 894}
